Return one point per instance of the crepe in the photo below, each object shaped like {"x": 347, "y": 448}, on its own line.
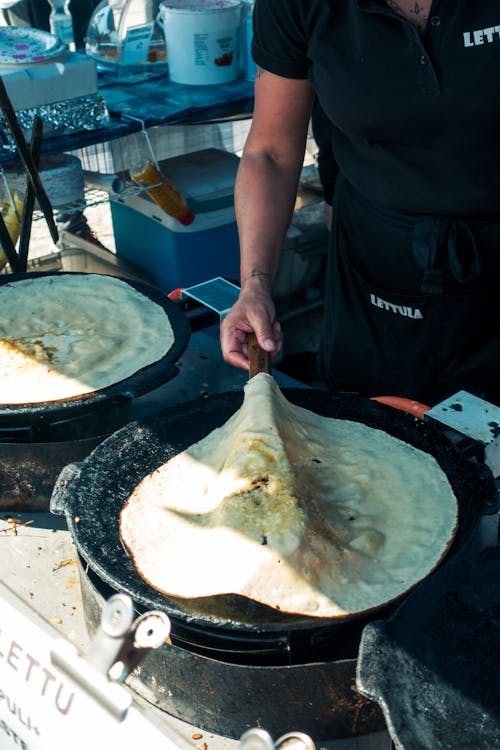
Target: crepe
{"x": 307, "y": 514}
{"x": 64, "y": 336}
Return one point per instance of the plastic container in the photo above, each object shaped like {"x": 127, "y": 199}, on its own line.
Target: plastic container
{"x": 202, "y": 40}
{"x": 123, "y": 36}
{"x": 61, "y": 22}
{"x": 247, "y": 63}
{"x": 173, "y": 254}
{"x": 162, "y": 191}
{"x": 12, "y": 211}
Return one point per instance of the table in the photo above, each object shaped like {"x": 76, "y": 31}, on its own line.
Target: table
{"x": 153, "y": 102}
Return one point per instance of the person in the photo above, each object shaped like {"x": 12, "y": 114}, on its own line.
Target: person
{"x": 412, "y": 284}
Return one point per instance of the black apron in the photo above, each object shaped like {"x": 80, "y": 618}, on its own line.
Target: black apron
{"x": 411, "y": 303}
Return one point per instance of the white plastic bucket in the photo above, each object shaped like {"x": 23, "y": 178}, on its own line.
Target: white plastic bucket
{"x": 202, "y": 40}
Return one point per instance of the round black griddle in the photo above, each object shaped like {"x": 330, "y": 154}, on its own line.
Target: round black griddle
{"x": 92, "y": 494}
{"x": 433, "y": 667}
{"x": 142, "y": 381}
{"x": 234, "y": 664}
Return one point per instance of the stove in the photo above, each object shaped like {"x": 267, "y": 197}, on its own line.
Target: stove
{"x": 44, "y": 609}
{"x": 44, "y": 624}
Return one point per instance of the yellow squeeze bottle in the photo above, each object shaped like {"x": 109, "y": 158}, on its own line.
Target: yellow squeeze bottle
{"x": 12, "y": 213}
{"x": 164, "y": 194}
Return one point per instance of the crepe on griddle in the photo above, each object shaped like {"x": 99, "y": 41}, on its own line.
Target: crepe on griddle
{"x": 304, "y": 513}
{"x": 64, "y": 336}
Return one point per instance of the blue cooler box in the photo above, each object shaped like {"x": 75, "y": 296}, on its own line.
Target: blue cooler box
{"x": 175, "y": 255}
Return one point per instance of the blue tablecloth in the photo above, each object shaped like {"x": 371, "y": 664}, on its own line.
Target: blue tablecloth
{"x": 160, "y": 101}
{"x": 156, "y": 101}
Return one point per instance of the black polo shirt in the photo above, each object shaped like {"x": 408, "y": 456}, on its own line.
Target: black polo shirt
{"x": 416, "y": 119}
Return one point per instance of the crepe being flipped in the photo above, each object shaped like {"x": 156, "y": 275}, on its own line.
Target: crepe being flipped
{"x": 304, "y": 513}
{"x": 64, "y": 336}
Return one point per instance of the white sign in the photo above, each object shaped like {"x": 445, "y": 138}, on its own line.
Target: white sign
{"x": 46, "y": 707}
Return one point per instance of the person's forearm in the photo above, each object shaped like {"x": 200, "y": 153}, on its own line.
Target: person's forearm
{"x": 265, "y": 195}
{"x": 265, "y": 191}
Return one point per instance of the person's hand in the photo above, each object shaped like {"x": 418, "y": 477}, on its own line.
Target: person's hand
{"x": 254, "y": 311}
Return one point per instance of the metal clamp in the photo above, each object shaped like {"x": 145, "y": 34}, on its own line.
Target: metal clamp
{"x": 120, "y": 643}
{"x": 118, "y": 646}
{"x": 260, "y": 739}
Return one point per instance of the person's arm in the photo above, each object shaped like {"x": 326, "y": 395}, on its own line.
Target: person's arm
{"x": 265, "y": 193}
